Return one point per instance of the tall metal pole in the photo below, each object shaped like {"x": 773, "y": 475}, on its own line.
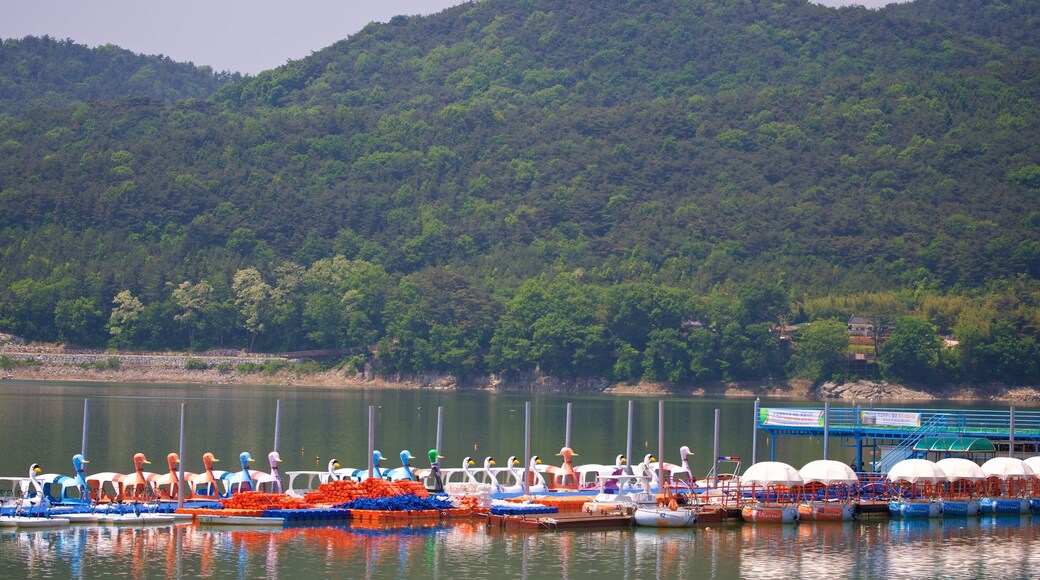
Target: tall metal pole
{"x": 440, "y": 428}
{"x": 754, "y": 432}
{"x": 826, "y": 428}
{"x": 277, "y": 424}
{"x": 180, "y": 465}
{"x": 526, "y": 448}
{"x": 660, "y": 444}
{"x": 371, "y": 440}
{"x": 567, "y": 436}
{"x": 628, "y": 445}
{"x": 715, "y": 452}
{"x": 1011, "y": 433}
{"x": 86, "y": 423}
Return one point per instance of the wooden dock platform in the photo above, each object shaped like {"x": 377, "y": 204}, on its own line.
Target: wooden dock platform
{"x": 565, "y": 521}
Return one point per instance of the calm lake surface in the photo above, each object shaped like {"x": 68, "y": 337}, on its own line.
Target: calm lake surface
{"x": 42, "y": 422}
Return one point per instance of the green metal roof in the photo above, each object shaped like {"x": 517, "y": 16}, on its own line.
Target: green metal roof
{"x": 955, "y": 445}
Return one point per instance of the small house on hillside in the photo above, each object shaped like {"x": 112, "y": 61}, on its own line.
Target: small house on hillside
{"x": 859, "y": 326}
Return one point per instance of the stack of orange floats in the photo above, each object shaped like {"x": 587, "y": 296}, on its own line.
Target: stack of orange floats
{"x": 255, "y": 503}
{"x": 343, "y": 491}
{"x": 563, "y": 505}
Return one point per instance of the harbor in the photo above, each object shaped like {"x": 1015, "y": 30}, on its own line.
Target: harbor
{"x": 505, "y": 514}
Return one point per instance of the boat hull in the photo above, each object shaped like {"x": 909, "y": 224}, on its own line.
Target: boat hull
{"x": 915, "y": 509}
{"x": 993, "y": 505}
{"x": 763, "y": 514}
{"x": 22, "y": 522}
{"x": 214, "y": 520}
{"x": 960, "y": 508}
{"x": 665, "y": 518}
{"x": 134, "y": 519}
{"x": 826, "y": 512}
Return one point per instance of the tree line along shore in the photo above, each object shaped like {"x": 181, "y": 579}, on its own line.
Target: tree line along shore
{"x": 47, "y": 363}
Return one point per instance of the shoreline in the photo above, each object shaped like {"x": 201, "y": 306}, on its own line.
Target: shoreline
{"x": 57, "y": 364}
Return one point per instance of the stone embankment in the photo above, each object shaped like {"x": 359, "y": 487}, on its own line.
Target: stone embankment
{"x": 225, "y": 367}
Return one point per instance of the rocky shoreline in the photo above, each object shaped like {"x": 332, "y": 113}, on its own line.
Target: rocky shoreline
{"x": 223, "y": 368}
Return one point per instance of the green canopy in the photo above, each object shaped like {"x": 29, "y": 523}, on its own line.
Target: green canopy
{"x": 955, "y": 445}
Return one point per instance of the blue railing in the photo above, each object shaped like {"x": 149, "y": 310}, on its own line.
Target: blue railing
{"x": 933, "y": 426}
{"x": 963, "y": 422}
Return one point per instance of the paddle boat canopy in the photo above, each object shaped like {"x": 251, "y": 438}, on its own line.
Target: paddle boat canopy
{"x": 916, "y": 482}
{"x": 771, "y": 490}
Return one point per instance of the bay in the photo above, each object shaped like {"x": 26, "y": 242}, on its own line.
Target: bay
{"x": 42, "y": 422}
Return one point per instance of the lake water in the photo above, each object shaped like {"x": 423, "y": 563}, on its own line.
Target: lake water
{"x": 42, "y": 422}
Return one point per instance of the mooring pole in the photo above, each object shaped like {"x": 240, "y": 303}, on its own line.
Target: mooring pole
{"x": 567, "y": 435}
{"x": 660, "y": 445}
{"x": 277, "y": 424}
{"x": 86, "y": 423}
{"x": 371, "y": 440}
{"x": 628, "y": 445}
{"x": 1011, "y": 432}
{"x": 715, "y": 454}
{"x": 440, "y": 428}
{"x": 826, "y": 428}
{"x": 754, "y": 432}
{"x": 180, "y": 465}
{"x": 527, "y": 448}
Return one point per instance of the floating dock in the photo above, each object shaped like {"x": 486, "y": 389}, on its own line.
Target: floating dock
{"x": 559, "y": 521}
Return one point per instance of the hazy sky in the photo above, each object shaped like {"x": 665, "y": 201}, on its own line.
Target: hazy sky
{"x": 247, "y": 36}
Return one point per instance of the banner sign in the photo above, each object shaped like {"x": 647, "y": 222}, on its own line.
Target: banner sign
{"x": 890, "y": 419}
{"x": 790, "y": 417}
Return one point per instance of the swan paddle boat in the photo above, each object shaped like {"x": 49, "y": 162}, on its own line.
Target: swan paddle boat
{"x": 269, "y": 482}
{"x": 242, "y": 481}
{"x": 517, "y": 477}
{"x": 405, "y": 471}
{"x": 137, "y": 486}
{"x": 463, "y": 474}
{"x": 362, "y": 474}
{"x": 210, "y": 484}
{"x": 34, "y": 496}
{"x": 65, "y": 490}
{"x": 167, "y": 485}
{"x": 564, "y": 477}
{"x": 589, "y": 472}
{"x": 432, "y": 479}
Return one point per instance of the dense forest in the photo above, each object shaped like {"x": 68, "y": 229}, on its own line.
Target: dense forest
{"x": 680, "y": 191}
{"x": 46, "y": 73}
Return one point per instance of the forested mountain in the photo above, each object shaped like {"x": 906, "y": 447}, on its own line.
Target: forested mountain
{"x": 45, "y": 72}
{"x": 614, "y": 188}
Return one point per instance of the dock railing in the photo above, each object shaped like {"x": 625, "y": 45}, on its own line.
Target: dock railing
{"x": 961, "y": 422}
{"x": 934, "y": 425}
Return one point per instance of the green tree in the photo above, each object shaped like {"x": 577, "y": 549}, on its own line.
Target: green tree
{"x": 912, "y": 351}
{"x": 821, "y": 350}
{"x": 253, "y": 297}
{"x": 192, "y": 300}
{"x": 122, "y": 322}
{"x": 667, "y": 356}
{"x": 78, "y": 320}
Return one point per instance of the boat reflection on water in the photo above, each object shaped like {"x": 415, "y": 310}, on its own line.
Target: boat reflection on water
{"x": 806, "y": 550}
{"x": 897, "y": 548}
